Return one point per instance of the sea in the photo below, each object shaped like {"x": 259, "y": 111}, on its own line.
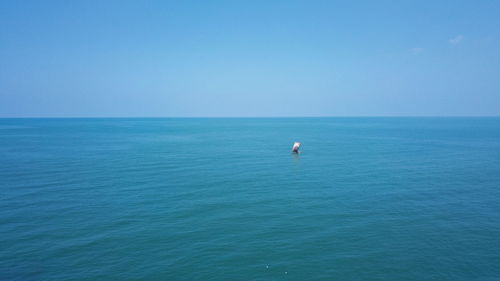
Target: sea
{"x": 375, "y": 198}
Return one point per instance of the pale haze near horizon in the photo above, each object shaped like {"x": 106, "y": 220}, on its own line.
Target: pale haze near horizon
{"x": 253, "y": 58}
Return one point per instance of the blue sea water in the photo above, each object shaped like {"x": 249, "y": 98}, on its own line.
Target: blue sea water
{"x": 224, "y": 199}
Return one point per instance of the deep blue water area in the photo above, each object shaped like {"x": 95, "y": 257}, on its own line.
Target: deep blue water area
{"x": 224, "y": 199}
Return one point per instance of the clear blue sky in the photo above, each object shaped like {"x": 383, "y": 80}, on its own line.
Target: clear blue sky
{"x": 249, "y": 58}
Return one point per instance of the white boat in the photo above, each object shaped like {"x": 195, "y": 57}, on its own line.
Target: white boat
{"x": 296, "y": 146}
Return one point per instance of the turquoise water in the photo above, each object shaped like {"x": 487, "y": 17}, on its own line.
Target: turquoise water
{"x": 224, "y": 199}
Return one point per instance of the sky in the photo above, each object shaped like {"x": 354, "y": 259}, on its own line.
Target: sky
{"x": 249, "y": 58}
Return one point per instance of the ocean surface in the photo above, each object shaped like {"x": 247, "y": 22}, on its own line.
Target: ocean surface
{"x": 224, "y": 199}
